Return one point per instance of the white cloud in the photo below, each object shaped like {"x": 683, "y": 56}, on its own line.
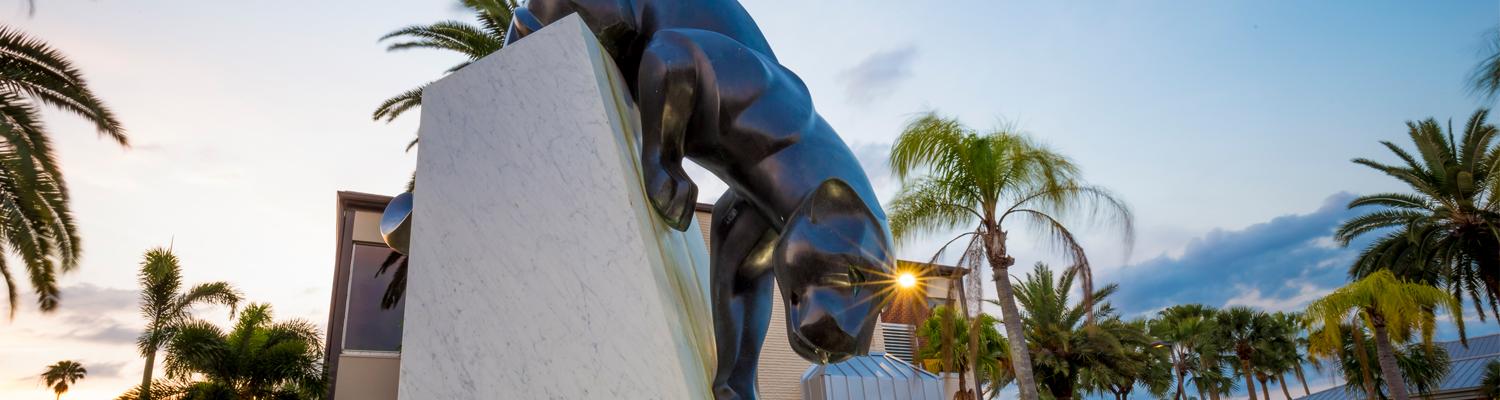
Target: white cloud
{"x": 1251, "y": 296}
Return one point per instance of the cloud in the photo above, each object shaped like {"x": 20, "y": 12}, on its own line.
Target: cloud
{"x": 1280, "y": 264}
{"x": 90, "y": 313}
{"x": 102, "y": 330}
{"x": 1251, "y": 296}
{"x": 88, "y": 299}
{"x": 98, "y": 369}
{"x": 878, "y": 75}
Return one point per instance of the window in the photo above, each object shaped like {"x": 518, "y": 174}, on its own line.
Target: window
{"x": 367, "y": 327}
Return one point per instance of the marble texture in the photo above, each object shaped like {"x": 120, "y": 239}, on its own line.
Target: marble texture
{"x": 538, "y": 269}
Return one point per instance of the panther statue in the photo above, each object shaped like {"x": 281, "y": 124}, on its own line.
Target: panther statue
{"x": 799, "y": 208}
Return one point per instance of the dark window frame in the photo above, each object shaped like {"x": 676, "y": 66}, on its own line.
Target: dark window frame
{"x": 347, "y": 203}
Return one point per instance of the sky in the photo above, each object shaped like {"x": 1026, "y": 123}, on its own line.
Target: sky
{"x": 1227, "y": 126}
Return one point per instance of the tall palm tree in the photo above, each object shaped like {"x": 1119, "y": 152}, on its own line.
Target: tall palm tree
{"x": 955, "y": 177}
{"x": 1447, "y": 230}
{"x": 1394, "y": 309}
{"x": 1276, "y": 347}
{"x": 1187, "y": 330}
{"x": 36, "y": 223}
{"x": 1064, "y": 346}
{"x": 1287, "y": 349}
{"x": 1243, "y": 328}
{"x": 472, "y": 41}
{"x": 167, "y": 308}
{"x": 257, "y": 359}
{"x": 62, "y": 375}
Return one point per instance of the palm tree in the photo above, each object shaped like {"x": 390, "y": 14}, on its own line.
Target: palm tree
{"x": 954, "y": 355}
{"x": 1276, "y": 351}
{"x": 1422, "y": 366}
{"x": 167, "y": 308}
{"x": 1063, "y": 345}
{"x": 257, "y": 359}
{"x": 1394, "y": 309}
{"x": 1187, "y": 330}
{"x": 1147, "y": 364}
{"x": 1243, "y": 328}
{"x": 1484, "y": 80}
{"x": 954, "y": 177}
{"x": 1447, "y": 230}
{"x": 35, "y": 220}
{"x": 62, "y": 375}
{"x": 1489, "y": 386}
{"x": 471, "y": 41}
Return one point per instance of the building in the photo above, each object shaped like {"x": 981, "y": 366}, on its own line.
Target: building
{"x": 364, "y": 339}
{"x": 1465, "y": 371}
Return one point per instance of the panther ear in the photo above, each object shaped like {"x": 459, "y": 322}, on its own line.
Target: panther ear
{"x": 833, "y": 222}
{"x": 833, "y": 197}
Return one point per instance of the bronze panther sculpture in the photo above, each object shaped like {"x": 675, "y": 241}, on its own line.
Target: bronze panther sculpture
{"x": 800, "y": 208}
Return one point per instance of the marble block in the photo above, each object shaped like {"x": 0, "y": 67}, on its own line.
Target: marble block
{"x": 539, "y": 270}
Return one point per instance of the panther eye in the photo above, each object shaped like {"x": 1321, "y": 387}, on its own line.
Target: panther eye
{"x": 856, "y": 276}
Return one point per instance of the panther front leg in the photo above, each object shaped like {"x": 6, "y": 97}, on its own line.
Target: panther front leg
{"x": 668, "y": 83}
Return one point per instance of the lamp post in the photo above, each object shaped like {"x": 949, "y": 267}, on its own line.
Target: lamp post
{"x": 1176, "y": 360}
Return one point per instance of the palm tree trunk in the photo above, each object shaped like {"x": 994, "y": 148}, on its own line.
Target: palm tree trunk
{"x": 1213, "y": 390}
{"x": 1387, "y": 355}
{"x": 1181, "y": 369}
{"x": 1249, "y": 379}
{"x": 1281, "y": 381}
{"x": 963, "y": 388}
{"x": 1264, "y": 390}
{"x": 1020, "y": 355}
{"x": 1302, "y": 378}
{"x": 1364, "y": 362}
{"x": 146, "y": 376}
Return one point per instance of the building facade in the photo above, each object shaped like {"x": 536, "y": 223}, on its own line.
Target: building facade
{"x": 364, "y": 339}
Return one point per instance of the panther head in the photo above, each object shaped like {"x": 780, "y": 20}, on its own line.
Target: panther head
{"x": 833, "y": 265}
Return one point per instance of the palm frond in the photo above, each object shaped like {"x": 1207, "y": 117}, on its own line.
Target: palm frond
{"x": 28, "y": 65}
{"x": 399, "y": 104}
{"x": 927, "y": 205}
{"x": 221, "y": 293}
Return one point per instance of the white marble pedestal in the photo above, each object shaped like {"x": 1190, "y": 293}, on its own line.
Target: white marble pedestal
{"x": 538, "y": 269}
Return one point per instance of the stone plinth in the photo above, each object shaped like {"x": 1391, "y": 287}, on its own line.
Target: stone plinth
{"x": 538, "y": 269}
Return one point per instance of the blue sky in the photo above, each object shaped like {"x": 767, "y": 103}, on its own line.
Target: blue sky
{"x": 1228, "y": 126}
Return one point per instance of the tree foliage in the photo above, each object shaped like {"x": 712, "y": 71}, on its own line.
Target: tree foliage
{"x": 465, "y": 38}
{"x": 1065, "y": 350}
{"x": 36, "y": 222}
{"x": 167, "y": 308}
{"x": 258, "y": 358}
{"x": 62, "y": 375}
{"x": 955, "y": 178}
{"x": 1446, "y": 231}
{"x": 945, "y": 339}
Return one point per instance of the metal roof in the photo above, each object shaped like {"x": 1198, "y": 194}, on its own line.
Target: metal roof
{"x": 876, "y": 376}
{"x": 1465, "y": 369}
